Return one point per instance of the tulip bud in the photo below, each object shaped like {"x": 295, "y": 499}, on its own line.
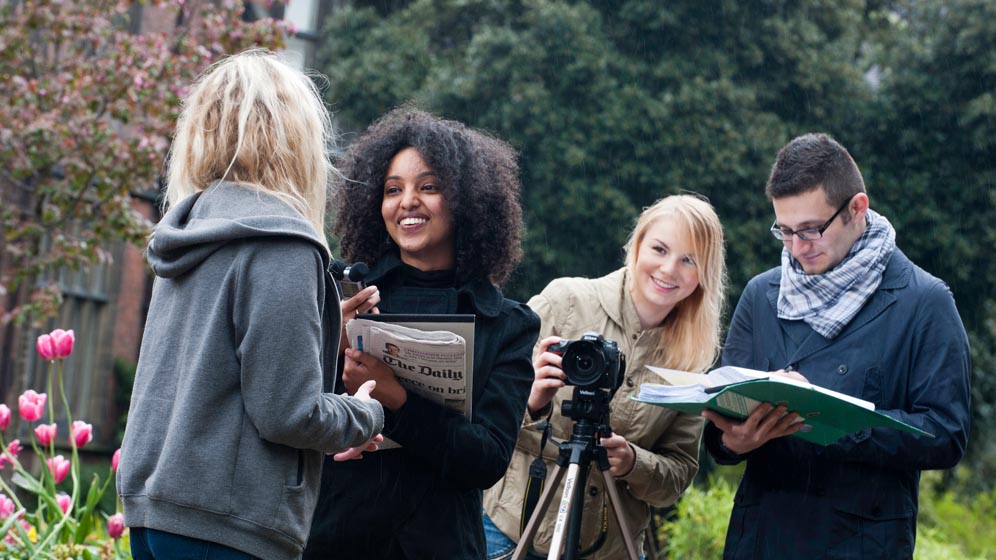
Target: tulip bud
{"x": 31, "y": 405}
{"x": 46, "y": 347}
{"x": 4, "y": 416}
{"x": 14, "y": 448}
{"x": 81, "y": 433}
{"x": 64, "y": 502}
{"x": 115, "y": 459}
{"x": 7, "y": 507}
{"x": 46, "y": 433}
{"x": 59, "y": 467}
{"x": 64, "y": 342}
{"x": 115, "y": 526}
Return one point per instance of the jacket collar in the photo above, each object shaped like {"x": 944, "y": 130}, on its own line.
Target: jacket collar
{"x": 897, "y": 275}
{"x": 614, "y": 296}
{"x": 485, "y": 298}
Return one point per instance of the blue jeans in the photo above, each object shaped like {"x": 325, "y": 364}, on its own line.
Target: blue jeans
{"x": 500, "y": 546}
{"x": 150, "y": 544}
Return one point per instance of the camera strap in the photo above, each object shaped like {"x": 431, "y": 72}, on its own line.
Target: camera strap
{"x": 537, "y": 477}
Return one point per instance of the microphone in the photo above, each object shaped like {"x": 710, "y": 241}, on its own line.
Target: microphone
{"x": 350, "y": 277}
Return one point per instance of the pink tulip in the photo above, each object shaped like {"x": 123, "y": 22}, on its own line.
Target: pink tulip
{"x": 4, "y": 416}
{"x": 59, "y": 467}
{"x": 11, "y": 453}
{"x": 7, "y": 507}
{"x": 31, "y": 405}
{"x": 56, "y": 345}
{"x": 46, "y": 433}
{"x": 12, "y": 537}
{"x": 81, "y": 433}
{"x": 64, "y": 502}
{"x": 115, "y": 526}
{"x": 115, "y": 459}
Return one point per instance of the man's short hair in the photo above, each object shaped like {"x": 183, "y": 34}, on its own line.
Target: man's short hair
{"x": 814, "y": 161}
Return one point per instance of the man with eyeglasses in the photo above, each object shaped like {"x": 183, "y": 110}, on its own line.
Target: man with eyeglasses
{"x": 849, "y": 311}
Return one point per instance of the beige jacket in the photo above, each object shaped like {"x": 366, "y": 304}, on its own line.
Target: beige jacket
{"x": 666, "y": 442}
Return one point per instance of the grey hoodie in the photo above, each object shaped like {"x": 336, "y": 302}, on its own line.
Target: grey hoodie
{"x": 228, "y": 422}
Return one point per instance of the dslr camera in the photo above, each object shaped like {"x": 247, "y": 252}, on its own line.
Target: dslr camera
{"x": 592, "y": 362}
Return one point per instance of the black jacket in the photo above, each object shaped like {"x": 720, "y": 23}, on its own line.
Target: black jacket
{"x": 907, "y": 352}
{"x": 424, "y": 499}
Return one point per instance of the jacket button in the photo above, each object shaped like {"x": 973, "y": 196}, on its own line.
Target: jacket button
{"x": 629, "y": 382}
{"x": 842, "y": 369}
{"x": 592, "y": 491}
{"x": 635, "y": 336}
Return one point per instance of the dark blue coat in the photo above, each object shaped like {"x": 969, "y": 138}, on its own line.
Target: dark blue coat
{"x": 424, "y": 500}
{"x": 907, "y": 352}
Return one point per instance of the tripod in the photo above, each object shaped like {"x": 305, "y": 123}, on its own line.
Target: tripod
{"x": 578, "y": 454}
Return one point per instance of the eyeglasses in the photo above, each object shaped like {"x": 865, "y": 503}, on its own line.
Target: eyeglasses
{"x": 807, "y": 234}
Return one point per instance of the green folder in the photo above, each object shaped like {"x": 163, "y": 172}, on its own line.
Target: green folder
{"x": 828, "y": 415}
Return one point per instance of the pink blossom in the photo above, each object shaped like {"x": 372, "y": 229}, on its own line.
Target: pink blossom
{"x": 12, "y": 536}
{"x": 64, "y": 502}
{"x": 7, "y": 507}
{"x": 59, "y": 467}
{"x": 46, "y": 433}
{"x": 11, "y": 453}
{"x": 4, "y": 416}
{"x": 56, "y": 345}
{"x": 115, "y": 525}
{"x": 115, "y": 459}
{"x": 81, "y": 433}
{"x": 31, "y": 405}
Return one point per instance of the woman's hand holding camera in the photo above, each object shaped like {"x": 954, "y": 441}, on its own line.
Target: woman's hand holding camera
{"x": 360, "y": 367}
{"x": 548, "y": 376}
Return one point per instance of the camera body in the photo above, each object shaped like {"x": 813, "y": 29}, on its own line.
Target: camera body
{"x": 592, "y": 362}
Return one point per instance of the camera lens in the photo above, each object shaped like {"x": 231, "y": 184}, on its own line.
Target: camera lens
{"x": 583, "y": 363}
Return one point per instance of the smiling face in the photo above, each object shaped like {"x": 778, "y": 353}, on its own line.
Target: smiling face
{"x": 416, "y": 214}
{"x": 811, "y": 209}
{"x": 665, "y": 272}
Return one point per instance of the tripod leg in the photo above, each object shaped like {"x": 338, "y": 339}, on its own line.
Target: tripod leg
{"x": 610, "y": 486}
{"x": 526, "y": 539}
{"x": 564, "y": 513}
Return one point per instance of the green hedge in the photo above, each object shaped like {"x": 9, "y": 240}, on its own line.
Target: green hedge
{"x": 951, "y": 525}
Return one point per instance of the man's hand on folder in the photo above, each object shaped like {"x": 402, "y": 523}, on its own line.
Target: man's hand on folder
{"x": 765, "y": 423}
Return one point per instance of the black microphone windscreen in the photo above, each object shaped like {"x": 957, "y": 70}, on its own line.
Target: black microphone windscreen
{"x": 358, "y": 271}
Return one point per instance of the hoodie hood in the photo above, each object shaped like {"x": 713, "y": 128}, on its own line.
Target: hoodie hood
{"x": 223, "y": 213}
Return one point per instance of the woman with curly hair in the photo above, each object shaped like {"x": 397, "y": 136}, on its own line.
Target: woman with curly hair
{"x": 434, "y": 206}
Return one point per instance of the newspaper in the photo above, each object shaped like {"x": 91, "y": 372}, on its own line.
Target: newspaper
{"x": 433, "y": 364}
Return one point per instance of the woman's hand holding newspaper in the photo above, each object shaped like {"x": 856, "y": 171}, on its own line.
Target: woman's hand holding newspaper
{"x": 360, "y": 367}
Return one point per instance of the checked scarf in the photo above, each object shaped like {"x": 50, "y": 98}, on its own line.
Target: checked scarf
{"x": 827, "y": 302}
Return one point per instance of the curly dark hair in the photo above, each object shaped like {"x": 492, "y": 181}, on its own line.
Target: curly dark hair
{"x": 480, "y": 180}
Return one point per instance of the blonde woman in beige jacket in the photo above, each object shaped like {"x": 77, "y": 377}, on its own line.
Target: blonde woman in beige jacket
{"x": 663, "y": 308}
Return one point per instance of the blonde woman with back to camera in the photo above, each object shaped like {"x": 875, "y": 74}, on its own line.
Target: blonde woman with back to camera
{"x": 663, "y": 308}
{"x": 229, "y": 422}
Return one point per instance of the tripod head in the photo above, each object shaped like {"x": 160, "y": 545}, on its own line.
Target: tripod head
{"x": 590, "y": 410}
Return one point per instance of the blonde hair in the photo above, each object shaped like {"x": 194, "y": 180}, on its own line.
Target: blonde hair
{"x": 254, "y": 120}
{"x": 690, "y": 335}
